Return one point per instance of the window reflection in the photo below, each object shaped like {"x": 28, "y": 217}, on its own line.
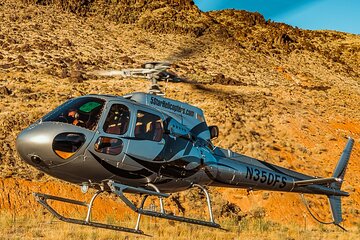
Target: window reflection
{"x": 112, "y": 146}
{"x": 148, "y": 126}
{"x": 83, "y": 112}
{"x": 117, "y": 120}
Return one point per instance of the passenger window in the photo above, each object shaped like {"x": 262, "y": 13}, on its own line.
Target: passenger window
{"x": 117, "y": 120}
{"x": 148, "y": 127}
{"x": 112, "y": 146}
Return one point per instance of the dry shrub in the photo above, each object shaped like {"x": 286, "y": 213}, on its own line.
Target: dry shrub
{"x": 80, "y": 7}
{"x": 169, "y": 16}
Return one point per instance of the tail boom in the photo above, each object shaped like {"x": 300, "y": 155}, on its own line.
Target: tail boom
{"x": 236, "y": 170}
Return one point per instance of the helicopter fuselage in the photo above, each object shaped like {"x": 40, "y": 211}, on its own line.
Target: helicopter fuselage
{"x": 140, "y": 139}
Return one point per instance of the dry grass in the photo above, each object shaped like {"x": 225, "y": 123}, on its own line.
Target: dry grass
{"x": 45, "y": 227}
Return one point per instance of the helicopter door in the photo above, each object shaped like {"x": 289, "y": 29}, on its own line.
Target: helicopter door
{"x": 111, "y": 138}
{"x": 147, "y": 143}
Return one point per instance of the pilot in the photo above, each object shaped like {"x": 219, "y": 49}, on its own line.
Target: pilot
{"x": 75, "y": 115}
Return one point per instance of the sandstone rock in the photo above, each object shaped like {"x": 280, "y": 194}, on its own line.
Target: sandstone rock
{"x": 127, "y": 60}
{"x": 22, "y": 60}
{"x": 26, "y": 48}
{"x": 26, "y": 90}
{"x": 221, "y": 79}
{"x": 4, "y": 91}
{"x": 79, "y": 66}
{"x": 66, "y": 42}
{"x": 7, "y": 65}
{"x": 64, "y": 73}
{"x": 76, "y": 77}
{"x": 283, "y": 39}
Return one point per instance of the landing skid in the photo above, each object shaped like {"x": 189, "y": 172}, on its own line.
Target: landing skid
{"x": 42, "y": 199}
{"x": 119, "y": 190}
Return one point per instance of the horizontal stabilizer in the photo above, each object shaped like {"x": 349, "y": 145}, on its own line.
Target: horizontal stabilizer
{"x": 318, "y": 181}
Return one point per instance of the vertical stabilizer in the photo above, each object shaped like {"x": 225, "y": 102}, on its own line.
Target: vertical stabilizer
{"x": 342, "y": 164}
{"x": 335, "y": 204}
{"x": 335, "y": 201}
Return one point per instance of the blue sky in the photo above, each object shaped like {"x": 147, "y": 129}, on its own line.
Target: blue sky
{"x": 340, "y": 15}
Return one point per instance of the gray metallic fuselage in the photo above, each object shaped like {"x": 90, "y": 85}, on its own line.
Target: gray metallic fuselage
{"x": 181, "y": 156}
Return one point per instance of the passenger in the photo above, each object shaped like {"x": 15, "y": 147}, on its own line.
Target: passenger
{"x": 112, "y": 124}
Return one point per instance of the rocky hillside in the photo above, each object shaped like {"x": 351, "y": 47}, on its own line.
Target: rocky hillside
{"x": 278, "y": 93}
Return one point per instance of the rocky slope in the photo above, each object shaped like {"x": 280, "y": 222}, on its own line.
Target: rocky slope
{"x": 278, "y": 93}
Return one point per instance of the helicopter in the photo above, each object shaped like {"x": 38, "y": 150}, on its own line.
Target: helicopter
{"x": 147, "y": 144}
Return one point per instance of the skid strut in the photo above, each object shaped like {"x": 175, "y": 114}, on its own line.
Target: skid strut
{"x": 119, "y": 190}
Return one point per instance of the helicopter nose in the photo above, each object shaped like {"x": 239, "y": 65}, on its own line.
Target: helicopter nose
{"x": 46, "y": 145}
{"x": 32, "y": 145}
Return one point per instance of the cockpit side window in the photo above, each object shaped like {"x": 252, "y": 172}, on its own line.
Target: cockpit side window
{"x": 117, "y": 120}
{"x": 83, "y": 112}
{"x": 148, "y": 126}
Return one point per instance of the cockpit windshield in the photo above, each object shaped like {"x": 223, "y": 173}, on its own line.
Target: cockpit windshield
{"x": 83, "y": 112}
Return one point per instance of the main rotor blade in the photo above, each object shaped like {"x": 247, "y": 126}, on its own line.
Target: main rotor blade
{"x": 109, "y": 73}
{"x": 126, "y": 72}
